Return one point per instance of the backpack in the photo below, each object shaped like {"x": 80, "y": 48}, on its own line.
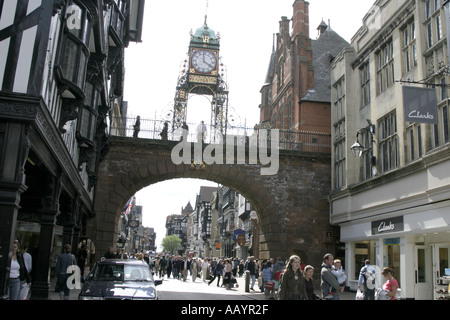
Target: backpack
{"x": 369, "y": 278}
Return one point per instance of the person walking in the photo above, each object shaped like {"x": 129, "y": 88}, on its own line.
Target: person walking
{"x": 309, "y": 283}
{"x": 185, "y": 131}
{"x": 185, "y": 265}
{"x": 241, "y": 268}
{"x": 228, "y": 268}
{"x": 329, "y": 280}
{"x": 217, "y": 272}
{"x": 194, "y": 267}
{"x": 205, "y": 268}
{"x": 17, "y": 273}
{"x": 81, "y": 258}
{"x": 162, "y": 267}
{"x": 157, "y": 265}
{"x": 63, "y": 261}
{"x": 28, "y": 262}
{"x": 165, "y": 131}
{"x": 268, "y": 280}
{"x": 250, "y": 265}
{"x": 292, "y": 283}
{"x": 366, "y": 281}
{"x": 201, "y": 132}
{"x": 391, "y": 285}
{"x": 137, "y": 127}
{"x": 169, "y": 266}
{"x": 176, "y": 267}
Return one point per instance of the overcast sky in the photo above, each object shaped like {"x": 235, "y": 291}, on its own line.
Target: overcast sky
{"x": 246, "y": 28}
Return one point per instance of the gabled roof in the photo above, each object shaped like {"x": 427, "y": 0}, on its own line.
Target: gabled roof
{"x": 205, "y": 194}
{"x": 324, "y": 50}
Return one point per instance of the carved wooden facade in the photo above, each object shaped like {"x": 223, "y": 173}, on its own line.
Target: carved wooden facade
{"x": 56, "y": 60}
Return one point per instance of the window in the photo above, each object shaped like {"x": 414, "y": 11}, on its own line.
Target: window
{"x": 385, "y": 67}
{"x": 429, "y": 35}
{"x": 437, "y": 5}
{"x": 367, "y": 154}
{"x": 441, "y": 131}
{"x": 117, "y": 20}
{"x": 414, "y": 142}
{"x": 88, "y": 115}
{"x": 74, "y": 54}
{"x": 439, "y": 34}
{"x": 427, "y": 9}
{"x": 339, "y": 166}
{"x": 365, "y": 84}
{"x": 409, "y": 47}
{"x": 339, "y": 138}
{"x": 433, "y": 22}
{"x": 388, "y": 142}
{"x": 280, "y": 73}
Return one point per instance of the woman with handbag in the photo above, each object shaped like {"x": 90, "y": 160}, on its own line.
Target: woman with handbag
{"x": 17, "y": 273}
{"x": 292, "y": 283}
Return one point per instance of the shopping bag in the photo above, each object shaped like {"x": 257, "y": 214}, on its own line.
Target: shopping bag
{"x": 269, "y": 285}
{"x": 359, "y": 295}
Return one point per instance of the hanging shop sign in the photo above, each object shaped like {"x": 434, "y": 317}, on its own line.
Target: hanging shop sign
{"x": 387, "y": 225}
{"x": 239, "y": 237}
{"x": 420, "y": 105}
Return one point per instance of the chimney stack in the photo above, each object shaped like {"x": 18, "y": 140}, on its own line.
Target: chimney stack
{"x": 300, "y": 19}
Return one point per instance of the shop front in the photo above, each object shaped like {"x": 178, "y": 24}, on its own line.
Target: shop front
{"x": 414, "y": 242}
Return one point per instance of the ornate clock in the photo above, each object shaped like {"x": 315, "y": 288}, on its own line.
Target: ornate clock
{"x": 204, "y": 61}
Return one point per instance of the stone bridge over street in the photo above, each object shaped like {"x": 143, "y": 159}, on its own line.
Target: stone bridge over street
{"x": 292, "y": 205}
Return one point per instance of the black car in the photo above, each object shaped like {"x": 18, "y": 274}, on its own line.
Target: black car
{"x": 112, "y": 279}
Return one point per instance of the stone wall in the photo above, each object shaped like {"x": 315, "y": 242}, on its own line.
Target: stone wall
{"x": 292, "y": 206}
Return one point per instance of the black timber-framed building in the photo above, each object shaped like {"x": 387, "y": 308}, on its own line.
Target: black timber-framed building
{"x": 61, "y": 81}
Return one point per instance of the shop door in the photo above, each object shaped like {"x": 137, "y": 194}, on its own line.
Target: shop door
{"x": 422, "y": 273}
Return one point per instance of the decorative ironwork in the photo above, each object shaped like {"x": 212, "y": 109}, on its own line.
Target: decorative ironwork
{"x": 304, "y": 141}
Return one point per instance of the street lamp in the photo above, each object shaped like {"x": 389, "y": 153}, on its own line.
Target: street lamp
{"x": 357, "y": 148}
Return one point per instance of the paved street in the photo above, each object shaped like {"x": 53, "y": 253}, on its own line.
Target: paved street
{"x": 173, "y": 289}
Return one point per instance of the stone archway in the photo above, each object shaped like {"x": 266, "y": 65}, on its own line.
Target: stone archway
{"x": 292, "y": 205}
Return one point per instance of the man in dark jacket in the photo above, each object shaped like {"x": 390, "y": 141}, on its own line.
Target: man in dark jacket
{"x": 251, "y": 267}
{"x": 185, "y": 265}
{"x": 328, "y": 279}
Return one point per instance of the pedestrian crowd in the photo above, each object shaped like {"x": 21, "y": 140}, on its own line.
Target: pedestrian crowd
{"x": 277, "y": 279}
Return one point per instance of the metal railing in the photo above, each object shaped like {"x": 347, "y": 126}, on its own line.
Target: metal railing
{"x": 288, "y": 140}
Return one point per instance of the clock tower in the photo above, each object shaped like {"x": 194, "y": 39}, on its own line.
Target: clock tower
{"x": 202, "y": 76}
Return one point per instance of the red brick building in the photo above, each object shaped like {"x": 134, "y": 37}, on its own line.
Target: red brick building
{"x": 296, "y": 94}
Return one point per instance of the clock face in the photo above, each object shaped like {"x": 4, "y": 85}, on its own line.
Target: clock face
{"x": 204, "y": 61}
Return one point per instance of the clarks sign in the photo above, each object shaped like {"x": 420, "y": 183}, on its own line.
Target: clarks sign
{"x": 387, "y": 225}
{"x": 420, "y": 105}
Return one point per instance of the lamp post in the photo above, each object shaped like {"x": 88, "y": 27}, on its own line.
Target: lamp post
{"x": 357, "y": 148}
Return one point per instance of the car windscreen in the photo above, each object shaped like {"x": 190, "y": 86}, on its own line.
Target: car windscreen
{"x": 109, "y": 272}
{"x": 137, "y": 273}
{"x": 122, "y": 272}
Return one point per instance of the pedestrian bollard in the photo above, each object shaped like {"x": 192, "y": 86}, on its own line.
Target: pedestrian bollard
{"x": 247, "y": 281}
